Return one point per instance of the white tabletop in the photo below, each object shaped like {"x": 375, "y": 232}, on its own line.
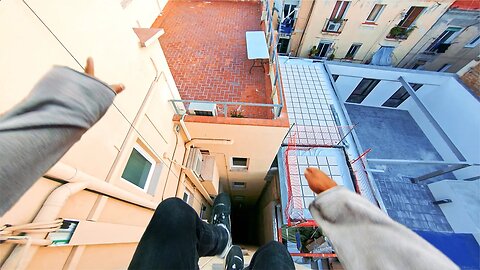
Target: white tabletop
{"x": 256, "y": 45}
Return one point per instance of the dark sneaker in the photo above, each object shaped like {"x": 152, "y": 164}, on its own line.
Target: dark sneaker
{"x": 234, "y": 260}
{"x": 221, "y": 217}
{"x": 221, "y": 210}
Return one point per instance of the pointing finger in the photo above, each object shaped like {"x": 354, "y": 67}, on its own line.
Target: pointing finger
{"x": 117, "y": 88}
{"x": 89, "y": 68}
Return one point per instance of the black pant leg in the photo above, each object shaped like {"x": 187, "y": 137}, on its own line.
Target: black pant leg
{"x": 272, "y": 255}
{"x": 176, "y": 238}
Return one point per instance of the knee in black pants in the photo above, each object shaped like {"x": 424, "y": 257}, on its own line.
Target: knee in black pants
{"x": 173, "y": 211}
{"x": 272, "y": 255}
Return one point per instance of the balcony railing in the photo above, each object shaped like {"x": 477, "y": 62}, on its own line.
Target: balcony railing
{"x": 334, "y": 25}
{"x": 224, "y": 108}
{"x": 400, "y": 32}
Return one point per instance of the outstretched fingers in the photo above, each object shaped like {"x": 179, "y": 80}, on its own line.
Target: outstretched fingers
{"x": 318, "y": 181}
{"x": 90, "y": 70}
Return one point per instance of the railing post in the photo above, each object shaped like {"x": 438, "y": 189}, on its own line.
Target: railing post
{"x": 175, "y": 107}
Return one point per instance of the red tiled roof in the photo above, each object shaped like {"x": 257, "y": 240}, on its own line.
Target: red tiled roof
{"x": 467, "y": 4}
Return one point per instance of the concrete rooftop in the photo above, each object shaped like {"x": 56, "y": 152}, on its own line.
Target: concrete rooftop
{"x": 205, "y": 47}
{"x": 394, "y": 134}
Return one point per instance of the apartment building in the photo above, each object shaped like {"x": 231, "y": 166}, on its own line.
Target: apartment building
{"x": 451, "y": 43}
{"x": 403, "y": 139}
{"x": 355, "y": 31}
{"x": 164, "y": 136}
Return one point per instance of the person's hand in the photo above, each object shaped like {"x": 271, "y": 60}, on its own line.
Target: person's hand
{"x": 318, "y": 181}
{"x": 90, "y": 70}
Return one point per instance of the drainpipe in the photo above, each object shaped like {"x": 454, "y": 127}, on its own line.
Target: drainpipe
{"x": 72, "y": 175}
{"x": 300, "y": 43}
{"x": 77, "y": 181}
{"x": 184, "y": 127}
{"x": 21, "y": 256}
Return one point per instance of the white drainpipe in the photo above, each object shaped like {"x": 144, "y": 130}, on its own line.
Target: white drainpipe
{"x": 184, "y": 127}
{"x": 22, "y": 255}
{"x": 72, "y": 175}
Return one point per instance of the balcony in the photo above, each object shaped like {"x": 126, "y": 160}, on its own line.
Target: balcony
{"x": 400, "y": 32}
{"x": 334, "y": 25}
{"x": 206, "y": 51}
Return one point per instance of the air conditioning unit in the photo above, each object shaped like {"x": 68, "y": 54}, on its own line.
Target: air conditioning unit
{"x": 194, "y": 161}
{"x": 333, "y": 26}
{"x": 204, "y": 109}
{"x": 210, "y": 175}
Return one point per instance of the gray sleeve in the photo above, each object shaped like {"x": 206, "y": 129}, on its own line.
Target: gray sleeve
{"x": 37, "y": 132}
{"x": 366, "y": 238}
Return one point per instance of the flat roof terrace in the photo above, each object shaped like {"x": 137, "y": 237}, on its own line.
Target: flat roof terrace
{"x": 205, "y": 47}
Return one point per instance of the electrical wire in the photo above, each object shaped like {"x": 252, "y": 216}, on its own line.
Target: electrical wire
{"x": 118, "y": 109}
{"x": 81, "y": 66}
{"x": 49, "y": 30}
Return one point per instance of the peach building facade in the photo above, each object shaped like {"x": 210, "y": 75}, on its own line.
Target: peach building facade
{"x": 354, "y": 30}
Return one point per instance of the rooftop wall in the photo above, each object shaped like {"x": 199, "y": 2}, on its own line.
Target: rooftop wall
{"x": 451, "y": 104}
{"x": 457, "y": 55}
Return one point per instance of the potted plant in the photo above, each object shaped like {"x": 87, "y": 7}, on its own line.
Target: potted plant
{"x": 313, "y": 52}
{"x": 237, "y": 113}
{"x": 399, "y": 32}
{"x": 396, "y": 31}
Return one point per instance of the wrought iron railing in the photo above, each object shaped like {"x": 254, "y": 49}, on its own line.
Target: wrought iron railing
{"x": 400, "y": 32}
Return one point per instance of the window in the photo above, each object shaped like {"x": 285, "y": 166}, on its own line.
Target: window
{"x": 400, "y": 96}
{"x": 416, "y": 86}
{"x": 362, "y": 90}
{"x": 239, "y": 163}
{"x": 323, "y": 48}
{"x": 186, "y": 196}
{"x": 444, "y": 68}
{"x": 375, "y": 13}
{"x": 203, "y": 210}
{"x": 473, "y": 43}
{"x": 411, "y": 16}
{"x": 289, "y": 11}
{"x": 340, "y": 10}
{"x": 239, "y": 185}
{"x": 352, "y": 51}
{"x": 283, "y": 45}
{"x": 419, "y": 65}
{"x": 441, "y": 44}
{"x": 204, "y": 152}
{"x": 139, "y": 168}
